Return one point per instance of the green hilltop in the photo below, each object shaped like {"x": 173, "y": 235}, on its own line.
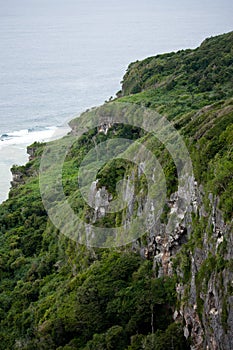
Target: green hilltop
{"x": 58, "y": 294}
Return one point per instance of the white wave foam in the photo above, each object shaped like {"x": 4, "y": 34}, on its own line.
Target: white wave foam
{"x": 13, "y": 150}
{"x": 26, "y": 137}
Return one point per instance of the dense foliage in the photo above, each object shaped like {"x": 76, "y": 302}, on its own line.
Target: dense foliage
{"x": 56, "y": 294}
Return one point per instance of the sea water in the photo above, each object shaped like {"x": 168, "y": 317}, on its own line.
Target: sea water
{"x": 58, "y": 58}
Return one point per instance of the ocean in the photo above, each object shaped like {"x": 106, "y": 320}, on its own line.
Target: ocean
{"x": 60, "y": 57}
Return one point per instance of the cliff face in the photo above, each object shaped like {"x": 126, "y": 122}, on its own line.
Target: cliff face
{"x": 205, "y": 300}
{"x": 200, "y": 250}
{"x": 171, "y": 285}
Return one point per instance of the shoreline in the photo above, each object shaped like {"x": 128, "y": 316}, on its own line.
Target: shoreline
{"x": 13, "y": 151}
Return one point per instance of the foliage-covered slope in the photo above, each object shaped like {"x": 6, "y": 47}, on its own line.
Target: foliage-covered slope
{"x": 194, "y": 89}
{"x": 207, "y": 68}
{"x": 57, "y": 294}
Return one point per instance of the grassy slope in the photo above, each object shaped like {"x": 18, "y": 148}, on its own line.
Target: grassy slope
{"x": 53, "y": 292}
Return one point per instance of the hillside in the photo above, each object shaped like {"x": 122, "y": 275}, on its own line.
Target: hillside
{"x": 163, "y": 281}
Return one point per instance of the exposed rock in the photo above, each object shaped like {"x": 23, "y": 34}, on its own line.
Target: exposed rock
{"x": 212, "y": 326}
{"x": 207, "y": 307}
{"x": 31, "y": 151}
{"x": 104, "y": 128}
{"x": 99, "y": 200}
{"x": 17, "y": 177}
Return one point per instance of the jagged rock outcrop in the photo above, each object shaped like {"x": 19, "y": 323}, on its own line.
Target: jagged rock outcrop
{"x": 206, "y": 304}
{"x": 17, "y": 177}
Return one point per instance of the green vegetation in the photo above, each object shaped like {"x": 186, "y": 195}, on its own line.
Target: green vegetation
{"x": 198, "y": 110}
{"x": 207, "y": 69}
{"x": 56, "y": 294}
